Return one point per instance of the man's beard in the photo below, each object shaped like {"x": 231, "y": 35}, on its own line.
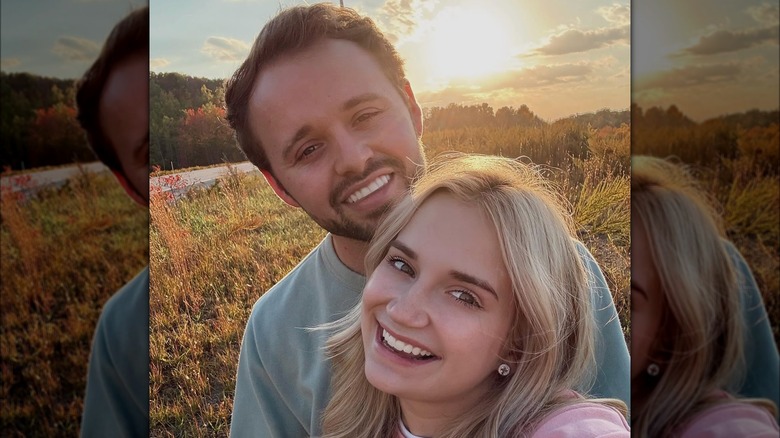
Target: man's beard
{"x": 346, "y": 227}
{"x": 363, "y": 231}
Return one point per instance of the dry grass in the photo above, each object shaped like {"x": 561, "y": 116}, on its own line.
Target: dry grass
{"x": 742, "y": 176}
{"x": 214, "y": 253}
{"x": 64, "y": 252}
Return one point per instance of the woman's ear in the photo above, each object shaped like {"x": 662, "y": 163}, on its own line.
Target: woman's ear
{"x": 279, "y": 189}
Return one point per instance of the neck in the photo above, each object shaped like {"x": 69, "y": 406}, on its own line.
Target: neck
{"x": 422, "y": 419}
{"x": 351, "y": 252}
{"x": 429, "y": 418}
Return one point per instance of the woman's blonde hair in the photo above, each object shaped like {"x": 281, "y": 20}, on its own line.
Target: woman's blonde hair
{"x": 699, "y": 344}
{"x": 551, "y": 342}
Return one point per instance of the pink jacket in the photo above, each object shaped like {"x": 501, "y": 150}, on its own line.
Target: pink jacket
{"x": 581, "y": 420}
{"x": 731, "y": 419}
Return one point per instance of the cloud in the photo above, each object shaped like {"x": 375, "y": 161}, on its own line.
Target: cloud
{"x": 9, "y": 63}
{"x": 689, "y": 76}
{"x": 225, "y": 49}
{"x": 765, "y": 14}
{"x": 158, "y": 63}
{"x": 522, "y": 80}
{"x": 402, "y": 17}
{"x": 543, "y": 75}
{"x": 575, "y": 40}
{"x": 75, "y": 48}
{"x": 723, "y": 41}
{"x": 617, "y": 14}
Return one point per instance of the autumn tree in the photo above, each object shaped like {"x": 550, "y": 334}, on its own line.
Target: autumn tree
{"x": 205, "y": 138}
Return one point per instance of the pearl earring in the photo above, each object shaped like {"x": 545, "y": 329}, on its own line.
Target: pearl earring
{"x": 653, "y": 369}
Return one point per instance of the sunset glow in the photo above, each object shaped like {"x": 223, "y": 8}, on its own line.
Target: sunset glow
{"x": 466, "y": 43}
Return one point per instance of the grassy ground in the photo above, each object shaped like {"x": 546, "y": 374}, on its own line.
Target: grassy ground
{"x": 64, "y": 252}
{"x": 214, "y": 253}
{"x": 750, "y": 204}
{"x": 740, "y": 170}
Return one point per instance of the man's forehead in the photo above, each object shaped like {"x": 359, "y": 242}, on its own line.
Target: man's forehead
{"x": 326, "y": 78}
{"x": 325, "y": 68}
{"x": 126, "y": 82}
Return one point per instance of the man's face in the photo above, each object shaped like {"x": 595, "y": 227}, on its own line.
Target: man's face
{"x": 124, "y": 118}
{"x": 342, "y": 142}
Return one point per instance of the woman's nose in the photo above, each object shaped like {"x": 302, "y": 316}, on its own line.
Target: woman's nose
{"x": 409, "y": 308}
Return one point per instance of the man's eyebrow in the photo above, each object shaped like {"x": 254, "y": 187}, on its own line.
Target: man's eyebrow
{"x": 306, "y": 129}
{"x": 462, "y": 276}
{"x": 299, "y": 134}
{"x": 357, "y": 100}
{"x": 404, "y": 249}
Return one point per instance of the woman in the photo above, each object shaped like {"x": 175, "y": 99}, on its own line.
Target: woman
{"x": 475, "y": 319}
{"x": 686, "y": 320}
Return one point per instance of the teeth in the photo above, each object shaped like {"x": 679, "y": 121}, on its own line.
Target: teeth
{"x": 404, "y": 347}
{"x": 371, "y": 188}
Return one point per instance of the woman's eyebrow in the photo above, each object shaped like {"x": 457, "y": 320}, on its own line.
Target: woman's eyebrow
{"x": 462, "y": 276}
{"x": 403, "y": 248}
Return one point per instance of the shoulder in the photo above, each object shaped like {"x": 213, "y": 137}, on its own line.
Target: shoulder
{"x": 127, "y": 311}
{"x": 583, "y": 419}
{"x": 318, "y": 290}
{"x": 730, "y": 419}
{"x": 117, "y": 392}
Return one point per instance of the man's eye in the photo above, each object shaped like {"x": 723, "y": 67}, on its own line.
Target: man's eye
{"x": 366, "y": 116}
{"x": 308, "y": 150}
{"x": 466, "y": 298}
{"x": 401, "y": 265}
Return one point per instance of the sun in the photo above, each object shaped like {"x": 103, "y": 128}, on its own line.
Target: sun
{"x": 467, "y": 42}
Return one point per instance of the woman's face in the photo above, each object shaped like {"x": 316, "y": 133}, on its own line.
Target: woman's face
{"x": 438, "y": 308}
{"x": 647, "y": 299}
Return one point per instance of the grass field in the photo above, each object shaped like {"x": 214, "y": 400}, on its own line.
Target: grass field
{"x": 64, "y": 252}
{"x": 214, "y": 253}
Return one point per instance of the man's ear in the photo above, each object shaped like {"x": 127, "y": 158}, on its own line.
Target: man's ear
{"x": 278, "y": 189}
{"x": 414, "y": 109}
{"x": 129, "y": 189}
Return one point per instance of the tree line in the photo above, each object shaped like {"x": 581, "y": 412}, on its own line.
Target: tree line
{"x": 188, "y": 128}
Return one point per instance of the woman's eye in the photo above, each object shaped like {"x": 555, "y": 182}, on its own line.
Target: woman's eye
{"x": 401, "y": 265}
{"x": 466, "y": 298}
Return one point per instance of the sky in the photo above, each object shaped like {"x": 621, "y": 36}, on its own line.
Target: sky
{"x": 707, "y": 57}
{"x": 57, "y": 38}
{"x": 558, "y": 57}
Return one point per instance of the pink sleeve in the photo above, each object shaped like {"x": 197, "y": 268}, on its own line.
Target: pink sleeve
{"x": 583, "y": 420}
{"x": 732, "y": 420}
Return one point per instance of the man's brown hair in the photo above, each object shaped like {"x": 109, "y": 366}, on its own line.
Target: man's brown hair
{"x": 129, "y": 37}
{"x": 293, "y": 30}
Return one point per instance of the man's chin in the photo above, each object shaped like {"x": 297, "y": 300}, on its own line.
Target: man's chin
{"x": 363, "y": 232}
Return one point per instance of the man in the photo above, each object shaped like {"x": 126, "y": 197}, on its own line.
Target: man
{"x": 113, "y": 103}
{"x": 322, "y": 107}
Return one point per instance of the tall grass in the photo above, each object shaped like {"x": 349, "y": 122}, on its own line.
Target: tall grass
{"x": 214, "y": 252}
{"x": 64, "y": 253}
{"x": 739, "y": 168}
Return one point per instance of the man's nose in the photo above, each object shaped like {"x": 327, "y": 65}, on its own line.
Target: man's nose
{"x": 354, "y": 152}
{"x": 409, "y": 308}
